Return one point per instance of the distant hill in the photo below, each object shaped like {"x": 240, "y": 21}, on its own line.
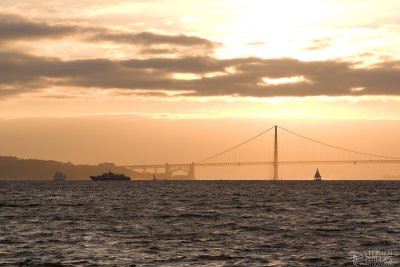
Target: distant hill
{"x": 391, "y": 177}
{"x": 13, "y": 168}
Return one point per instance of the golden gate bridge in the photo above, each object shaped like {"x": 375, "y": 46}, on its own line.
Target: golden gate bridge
{"x": 275, "y": 147}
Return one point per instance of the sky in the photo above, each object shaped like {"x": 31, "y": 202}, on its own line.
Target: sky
{"x": 154, "y": 81}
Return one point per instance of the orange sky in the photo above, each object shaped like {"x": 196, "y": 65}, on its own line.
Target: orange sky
{"x": 154, "y": 81}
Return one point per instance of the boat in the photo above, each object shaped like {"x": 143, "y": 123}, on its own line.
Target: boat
{"x": 317, "y": 176}
{"x": 154, "y": 177}
{"x": 59, "y": 176}
{"x": 110, "y": 176}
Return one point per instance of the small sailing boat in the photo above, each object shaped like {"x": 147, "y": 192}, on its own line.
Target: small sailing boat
{"x": 59, "y": 176}
{"x": 317, "y": 176}
{"x": 154, "y": 177}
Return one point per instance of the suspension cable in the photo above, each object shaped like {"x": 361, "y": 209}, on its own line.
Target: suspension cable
{"x": 232, "y": 148}
{"x": 339, "y": 148}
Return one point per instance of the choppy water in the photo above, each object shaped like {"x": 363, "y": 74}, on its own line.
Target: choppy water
{"x": 196, "y": 223}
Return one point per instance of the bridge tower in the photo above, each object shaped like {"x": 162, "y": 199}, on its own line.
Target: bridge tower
{"x": 167, "y": 171}
{"x": 276, "y": 164}
{"x": 191, "y": 173}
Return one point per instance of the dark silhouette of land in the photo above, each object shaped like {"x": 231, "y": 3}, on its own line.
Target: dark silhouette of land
{"x": 13, "y": 168}
{"x": 391, "y": 177}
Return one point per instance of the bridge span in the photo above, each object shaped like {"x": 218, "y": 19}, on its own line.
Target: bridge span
{"x": 268, "y": 148}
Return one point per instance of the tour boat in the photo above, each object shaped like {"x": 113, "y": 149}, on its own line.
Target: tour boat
{"x": 110, "y": 176}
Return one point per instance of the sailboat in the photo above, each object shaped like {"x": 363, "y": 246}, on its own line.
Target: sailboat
{"x": 59, "y": 176}
{"x": 317, "y": 176}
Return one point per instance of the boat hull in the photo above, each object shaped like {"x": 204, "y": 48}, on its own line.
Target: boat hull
{"x": 95, "y": 178}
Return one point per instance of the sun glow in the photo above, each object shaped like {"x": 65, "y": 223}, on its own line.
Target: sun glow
{"x": 285, "y": 80}
{"x": 186, "y": 76}
{"x": 275, "y": 25}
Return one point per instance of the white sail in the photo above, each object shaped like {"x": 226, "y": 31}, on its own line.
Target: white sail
{"x": 59, "y": 176}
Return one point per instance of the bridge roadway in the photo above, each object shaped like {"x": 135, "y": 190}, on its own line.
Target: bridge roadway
{"x": 227, "y": 164}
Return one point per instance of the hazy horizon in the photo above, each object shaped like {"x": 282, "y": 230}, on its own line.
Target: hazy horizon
{"x": 191, "y": 141}
{"x": 143, "y": 82}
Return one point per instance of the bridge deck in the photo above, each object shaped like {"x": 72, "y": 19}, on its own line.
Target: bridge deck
{"x": 226, "y": 164}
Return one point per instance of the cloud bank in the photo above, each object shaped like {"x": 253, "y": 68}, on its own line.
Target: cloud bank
{"x": 21, "y": 72}
{"x": 236, "y": 77}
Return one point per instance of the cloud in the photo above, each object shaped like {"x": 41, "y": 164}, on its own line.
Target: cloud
{"x": 149, "y": 38}
{"x": 256, "y": 44}
{"x": 182, "y": 65}
{"x": 17, "y": 28}
{"x": 158, "y": 51}
{"x": 320, "y": 44}
{"x": 237, "y": 77}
